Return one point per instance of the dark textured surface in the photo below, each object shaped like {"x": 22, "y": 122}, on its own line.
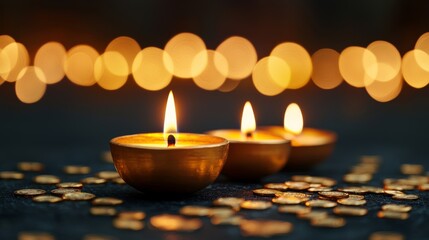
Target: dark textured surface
{"x": 71, "y": 220}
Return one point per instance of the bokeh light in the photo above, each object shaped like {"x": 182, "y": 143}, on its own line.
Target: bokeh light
{"x": 111, "y": 70}
{"x": 79, "y": 65}
{"x": 30, "y": 85}
{"x": 5, "y": 65}
{"x": 299, "y": 62}
{"x": 5, "y": 40}
{"x": 326, "y": 73}
{"x": 50, "y": 58}
{"x": 228, "y": 86}
{"x": 152, "y": 69}
{"x": 271, "y": 75}
{"x": 358, "y": 66}
{"x": 18, "y": 60}
{"x": 214, "y": 75}
{"x": 384, "y": 91}
{"x": 127, "y": 47}
{"x": 413, "y": 73}
{"x": 183, "y": 48}
{"x": 386, "y": 55}
{"x": 241, "y": 56}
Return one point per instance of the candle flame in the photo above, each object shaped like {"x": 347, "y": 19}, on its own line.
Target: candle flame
{"x": 248, "y": 123}
{"x": 170, "y": 121}
{"x": 293, "y": 120}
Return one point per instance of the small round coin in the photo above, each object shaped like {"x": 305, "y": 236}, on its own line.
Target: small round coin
{"x": 355, "y": 190}
{"x": 405, "y": 197}
{"x": 422, "y": 187}
{"x": 93, "y": 180}
{"x": 29, "y": 192}
{"x": 350, "y": 211}
{"x": 102, "y": 211}
{"x": 319, "y": 189}
{"x": 334, "y": 194}
{"x": 133, "y": 215}
{"x": 412, "y": 169}
{"x": 107, "y": 201}
{"x": 288, "y": 200}
{"x": 194, "y": 211}
{"x": 393, "y": 192}
{"x": 320, "y": 203}
{"x": 118, "y": 181}
{"x": 296, "y": 209}
{"x": 108, "y": 175}
{"x": 293, "y": 194}
{"x": 356, "y": 197}
{"x": 69, "y": 185}
{"x": 393, "y": 215}
{"x": 231, "y": 220}
{"x": 75, "y": 169}
{"x": 256, "y": 205}
{"x": 276, "y": 186}
{"x": 351, "y": 202}
{"x": 169, "y": 222}
{"x": 229, "y": 202}
{"x": 78, "y": 196}
{"x": 357, "y": 177}
{"x": 30, "y": 166}
{"x": 62, "y": 191}
{"x": 128, "y": 224}
{"x": 396, "y": 207}
{"x": 11, "y": 175}
{"x": 313, "y": 214}
{"x": 386, "y": 236}
{"x": 329, "y": 222}
{"x": 46, "y": 179}
{"x": 47, "y": 199}
{"x": 264, "y": 228}
{"x": 297, "y": 185}
{"x": 265, "y": 192}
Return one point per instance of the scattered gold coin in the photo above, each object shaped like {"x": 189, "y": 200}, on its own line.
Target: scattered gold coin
{"x": 319, "y": 189}
{"x": 265, "y": 192}
{"x": 398, "y": 187}
{"x": 296, "y": 209}
{"x": 371, "y": 159}
{"x": 133, "y": 215}
{"x": 47, "y": 199}
{"x": 412, "y": 169}
{"x": 78, "y": 196}
{"x": 356, "y": 197}
{"x": 93, "y": 180}
{"x": 194, "y": 211}
{"x": 128, "y": 224}
{"x": 108, "y": 175}
{"x": 386, "y": 236}
{"x": 264, "y": 228}
{"x": 35, "y": 236}
{"x": 320, "y": 203}
{"x": 102, "y": 211}
{"x": 373, "y": 189}
{"x": 422, "y": 187}
{"x": 396, "y": 207}
{"x": 351, "y": 202}
{"x": 350, "y": 211}
{"x": 393, "y": 215}
{"x": 297, "y": 185}
{"x": 221, "y": 212}
{"x": 231, "y": 220}
{"x": 46, "y": 179}
{"x": 255, "y": 205}
{"x": 329, "y": 222}
{"x": 334, "y": 194}
{"x": 107, "y": 201}
{"x": 356, "y": 190}
{"x": 169, "y": 222}
{"x": 29, "y": 192}
{"x": 75, "y": 169}
{"x": 276, "y": 186}
{"x": 405, "y": 197}
{"x": 229, "y": 202}
{"x": 293, "y": 194}
{"x": 327, "y": 182}
{"x": 313, "y": 214}
{"x": 30, "y": 166}
{"x": 62, "y": 191}
{"x": 118, "y": 180}
{"x": 288, "y": 200}
{"x": 69, "y": 185}
{"x": 11, "y": 175}
{"x": 357, "y": 177}
{"x": 393, "y": 192}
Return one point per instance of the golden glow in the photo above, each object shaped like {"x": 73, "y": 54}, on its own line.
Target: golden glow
{"x": 30, "y": 85}
{"x": 127, "y": 47}
{"x": 183, "y": 48}
{"x": 5, "y": 40}
{"x": 79, "y": 65}
{"x": 414, "y": 74}
{"x": 326, "y": 73}
{"x": 5, "y": 65}
{"x": 248, "y": 122}
{"x": 383, "y": 91}
{"x": 271, "y": 75}
{"x": 358, "y": 66}
{"x": 50, "y": 58}
{"x": 105, "y": 74}
{"x": 299, "y": 62}
{"x": 229, "y": 85}
{"x": 241, "y": 56}
{"x": 386, "y": 54}
{"x": 170, "y": 121}
{"x": 293, "y": 121}
{"x": 152, "y": 69}
{"x": 18, "y": 60}
{"x": 214, "y": 75}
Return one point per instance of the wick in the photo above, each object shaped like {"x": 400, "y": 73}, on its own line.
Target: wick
{"x": 171, "y": 141}
{"x": 249, "y": 135}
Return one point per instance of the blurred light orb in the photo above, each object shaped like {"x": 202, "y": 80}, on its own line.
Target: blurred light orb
{"x": 30, "y": 85}
{"x": 298, "y": 60}
{"x": 5, "y": 65}
{"x": 111, "y": 70}
{"x": 358, "y": 66}
{"x": 384, "y": 91}
{"x": 127, "y": 47}
{"x": 271, "y": 75}
{"x": 214, "y": 75}
{"x": 115, "y": 63}
{"x": 414, "y": 74}
{"x": 79, "y": 65}
{"x": 182, "y": 49}
{"x": 50, "y": 58}
{"x": 5, "y": 40}
{"x": 386, "y": 54}
{"x": 228, "y": 86}
{"x": 152, "y": 69}
{"x": 326, "y": 73}
{"x": 241, "y": 56}
{"x": 18, "y": 60}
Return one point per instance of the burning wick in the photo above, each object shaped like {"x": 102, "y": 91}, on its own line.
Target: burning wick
{"x": 249, "y": 134}
{"x": 171, "y": 141}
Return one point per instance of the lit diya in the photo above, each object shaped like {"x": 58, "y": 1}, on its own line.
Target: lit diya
{"x": 169, "y": 162}
{"x": 310, "y": 146}
{"x": 252, "y": 154}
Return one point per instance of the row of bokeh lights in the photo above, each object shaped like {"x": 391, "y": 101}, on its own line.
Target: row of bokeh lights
{"x": 378, "y": 68}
